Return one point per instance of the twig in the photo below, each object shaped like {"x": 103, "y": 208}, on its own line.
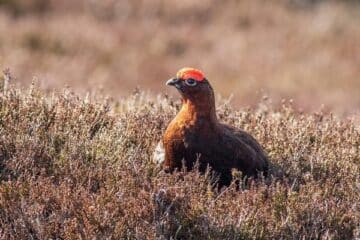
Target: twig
{"x": 7, "y": 79}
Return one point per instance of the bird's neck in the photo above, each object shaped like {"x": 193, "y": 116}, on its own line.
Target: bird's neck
{"x": 199, "y": 111}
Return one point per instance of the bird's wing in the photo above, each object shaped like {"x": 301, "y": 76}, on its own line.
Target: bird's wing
{"x": 246, "y": 138}
{"x": 247, "y": 149}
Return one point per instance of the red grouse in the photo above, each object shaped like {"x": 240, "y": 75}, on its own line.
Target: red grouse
{"x": 195, "y": 134}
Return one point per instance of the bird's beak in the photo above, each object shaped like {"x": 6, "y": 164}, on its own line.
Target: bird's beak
{"x": 177, "y": 83}
{"x": 172, "y": 81}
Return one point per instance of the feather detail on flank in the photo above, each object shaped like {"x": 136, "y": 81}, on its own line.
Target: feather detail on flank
{"x": 159, "y": 154}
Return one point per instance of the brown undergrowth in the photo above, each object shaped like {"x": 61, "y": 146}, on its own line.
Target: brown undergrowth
{"x": 307, "y": 50}
{"x": 80, "y": 168}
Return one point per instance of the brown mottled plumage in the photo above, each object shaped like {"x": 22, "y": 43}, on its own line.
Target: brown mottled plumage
{"x": 195, "y": 133}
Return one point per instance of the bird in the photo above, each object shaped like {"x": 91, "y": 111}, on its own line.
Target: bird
{"x": 196, "y": 135}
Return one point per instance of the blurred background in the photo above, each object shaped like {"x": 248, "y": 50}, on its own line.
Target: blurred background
{"x": 306, "y": 50}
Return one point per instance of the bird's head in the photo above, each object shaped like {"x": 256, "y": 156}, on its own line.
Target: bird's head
{"x": 192, "y": 85}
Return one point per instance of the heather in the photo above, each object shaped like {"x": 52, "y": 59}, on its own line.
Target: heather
{"x": 307, "y": 50}
{"x": 79, "y": 167}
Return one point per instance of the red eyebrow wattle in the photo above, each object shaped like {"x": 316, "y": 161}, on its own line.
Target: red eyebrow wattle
{"x": 186, "y": 73}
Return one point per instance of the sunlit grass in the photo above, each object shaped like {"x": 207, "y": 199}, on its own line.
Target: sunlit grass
{"x": 73, "y": 167}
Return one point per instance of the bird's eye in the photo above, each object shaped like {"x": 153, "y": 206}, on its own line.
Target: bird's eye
{"x": 190, "y": 82}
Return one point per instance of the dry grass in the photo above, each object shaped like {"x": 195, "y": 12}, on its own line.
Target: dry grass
{"x": 246, "y": 48}
{"x": 79, "y": 168}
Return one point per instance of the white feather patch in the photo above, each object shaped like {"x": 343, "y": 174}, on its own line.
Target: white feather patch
{"x": 159, "y": 154}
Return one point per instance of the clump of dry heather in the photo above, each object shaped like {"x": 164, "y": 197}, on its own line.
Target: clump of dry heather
{"x": 74, "y": 167}
{"x": 272, "y": 46}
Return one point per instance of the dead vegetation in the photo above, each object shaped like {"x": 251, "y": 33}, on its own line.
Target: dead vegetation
{"x": 80, "y": 168}
{"x": 246, "y": 48}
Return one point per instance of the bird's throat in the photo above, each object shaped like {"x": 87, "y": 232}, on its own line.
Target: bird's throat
{"x": 198, "y": 112}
